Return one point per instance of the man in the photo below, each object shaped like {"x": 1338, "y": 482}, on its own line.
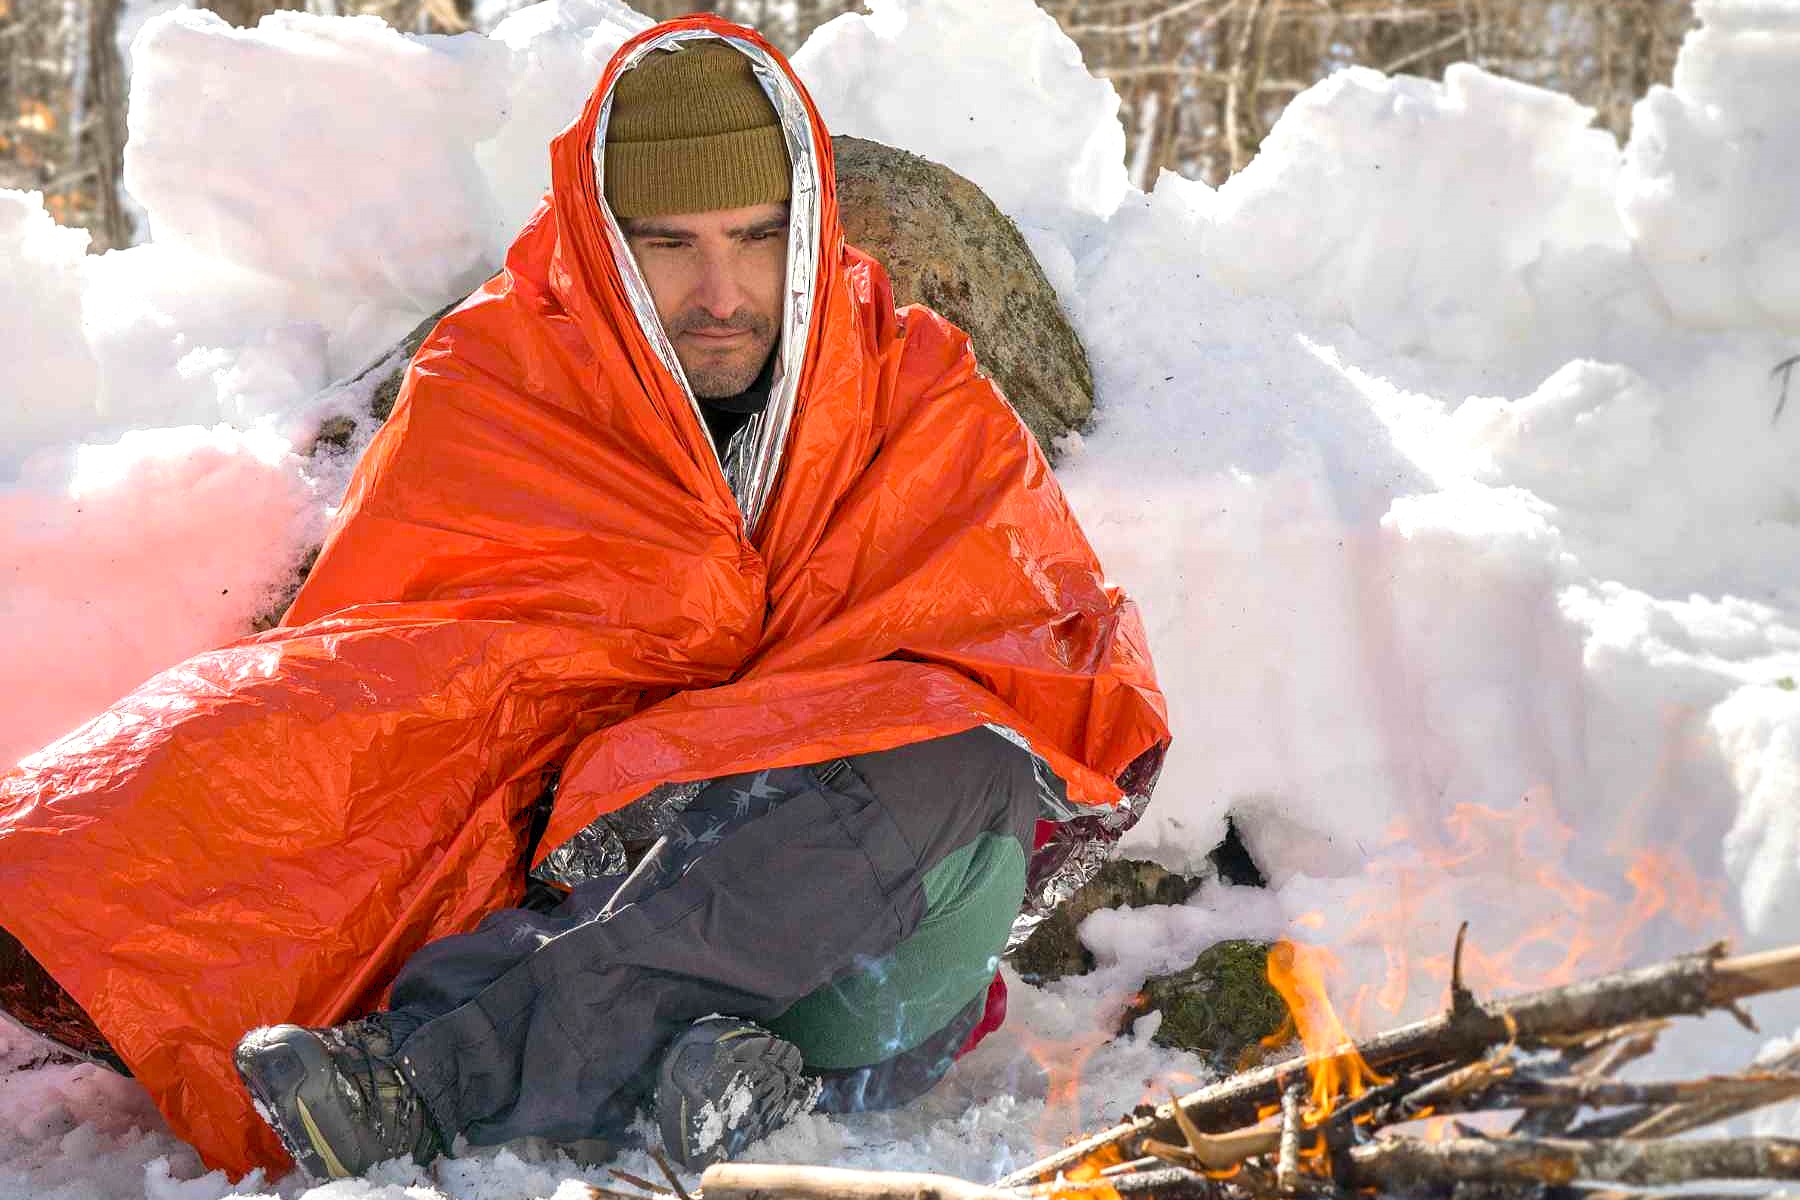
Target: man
{"x": 682, "y": 541}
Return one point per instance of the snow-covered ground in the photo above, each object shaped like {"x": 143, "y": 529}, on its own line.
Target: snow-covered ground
{"x": 1444, "y": 447}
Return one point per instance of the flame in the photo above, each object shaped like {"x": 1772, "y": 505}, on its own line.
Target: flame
{"x": 1086, "y": 1176}
{"x": 1062, "y": 1061}
{"x": 1297, "y": 971}
{"x": 1439, "y": 1129}
{"x": 1663, "y": 881}
{"x": 1578, "y": 928}
{"x": 1283, "y": 1034}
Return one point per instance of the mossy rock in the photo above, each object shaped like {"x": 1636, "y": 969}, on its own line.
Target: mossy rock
{"x": 1221, "y": 1007}
{"x": 1054, "y": 948}
{"x": 946, "y": 246}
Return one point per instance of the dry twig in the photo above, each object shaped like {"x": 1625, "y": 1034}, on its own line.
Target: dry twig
{"x": 1400, "y": 1163}
{"x": 1682, "y": 987}
{"x": 760, "y": 1181}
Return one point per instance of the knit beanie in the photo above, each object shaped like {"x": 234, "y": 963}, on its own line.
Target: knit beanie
{"x": 691, "y": 131}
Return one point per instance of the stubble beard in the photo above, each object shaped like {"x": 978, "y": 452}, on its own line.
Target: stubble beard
{"x": 715, "y": 373}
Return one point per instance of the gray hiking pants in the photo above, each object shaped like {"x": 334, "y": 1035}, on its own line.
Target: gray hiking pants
{"x": 840, "y": 885}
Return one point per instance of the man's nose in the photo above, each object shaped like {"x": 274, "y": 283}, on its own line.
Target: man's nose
{"x": 720, "y": 294}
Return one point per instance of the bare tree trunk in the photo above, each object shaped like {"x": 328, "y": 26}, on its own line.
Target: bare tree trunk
{"x": 1234, "y": 89}
{"x": 108, "y": 121}
{"x": 1143, "y": 167}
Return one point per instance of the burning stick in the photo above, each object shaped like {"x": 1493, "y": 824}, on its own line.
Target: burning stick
{"x": 1287, "y": 1163}
{"x": 1682, "y": 987}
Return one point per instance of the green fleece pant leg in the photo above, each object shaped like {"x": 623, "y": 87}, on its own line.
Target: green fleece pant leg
{"x": 888, "y": 1006}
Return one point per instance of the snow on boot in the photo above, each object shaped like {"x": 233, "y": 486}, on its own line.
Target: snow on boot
{"x": 336, "y": 1097}
{"x": 723, "y": 1084}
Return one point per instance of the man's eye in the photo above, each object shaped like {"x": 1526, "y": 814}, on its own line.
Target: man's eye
{"x": 767, "y": 235}
{"x": 666, "y": 245}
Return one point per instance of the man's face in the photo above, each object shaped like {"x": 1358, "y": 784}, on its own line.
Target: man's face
{"x": 716, "y": 278}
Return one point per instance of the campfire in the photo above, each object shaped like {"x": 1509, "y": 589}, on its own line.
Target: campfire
{"x": 1497, "y": 1098}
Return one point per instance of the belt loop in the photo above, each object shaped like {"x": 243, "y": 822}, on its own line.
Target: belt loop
{"x": 828, "y": 772}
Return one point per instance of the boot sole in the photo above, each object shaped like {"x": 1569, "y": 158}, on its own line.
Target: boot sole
{"x": 753, "y": 1086}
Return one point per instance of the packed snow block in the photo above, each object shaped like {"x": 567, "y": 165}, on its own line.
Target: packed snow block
{"x": 946, "y": 246}
{"x": 51, "y": 374}
{"x": 996, "y": 91}
{"x": 1711, "y": 186}
{"x": 1425, "y": 213}
{"x": 244, "y": 142}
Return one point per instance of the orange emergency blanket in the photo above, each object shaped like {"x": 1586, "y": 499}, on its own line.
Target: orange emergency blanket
{"x": 539, "y": 564}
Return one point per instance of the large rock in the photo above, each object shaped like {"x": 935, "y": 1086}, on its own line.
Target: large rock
{"x": 946, "y": 246}
{"x": 1054, "y": 948}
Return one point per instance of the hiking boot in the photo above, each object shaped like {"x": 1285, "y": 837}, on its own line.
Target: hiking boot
{"x": 336, "y": 1097}
{"x": 723, "y": 1084}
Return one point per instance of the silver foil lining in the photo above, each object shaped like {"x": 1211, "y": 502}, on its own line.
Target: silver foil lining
{"x": 1086, "y": 843}
{"x": 593, "y": 853}
{"x": 751, "y": 476}
{"x": 602, "y": 848}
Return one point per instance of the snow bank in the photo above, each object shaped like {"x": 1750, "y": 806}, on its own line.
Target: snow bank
{"x": 995, "y": 91}
{"x": 1758, "y": 730}
{"x": 1441, "y": 448}
{"x": 1420, "y": 212}
{"x": 51, "y": 372}
{"x": 237, "y": 155}
{"x": 139, "y": 553}
{"x": 1711, "y": 191}
{"x": 558, "y": 52}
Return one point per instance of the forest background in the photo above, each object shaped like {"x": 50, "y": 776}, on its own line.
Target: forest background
{"x": 1200, "y": 81}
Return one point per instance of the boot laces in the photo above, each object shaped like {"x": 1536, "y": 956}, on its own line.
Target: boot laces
{"x": 386, "y": 1099}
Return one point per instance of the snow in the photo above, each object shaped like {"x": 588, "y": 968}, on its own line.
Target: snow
{"x": 1011, "y": 108}
{"x": 247, "y": 182}
{"x": 714, "y": 1121}
{"x": 1709, "y": 193}
{"x": 1442, "y": 447}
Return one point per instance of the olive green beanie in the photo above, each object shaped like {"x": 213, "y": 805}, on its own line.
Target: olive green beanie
{"x": 691, "y": 131}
